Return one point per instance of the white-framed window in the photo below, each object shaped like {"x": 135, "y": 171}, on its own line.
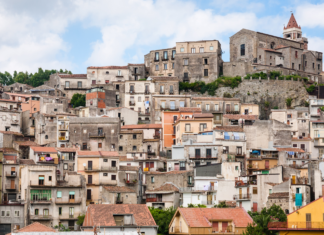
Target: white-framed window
{"x": 119, "y": 73}
{"x": 165, "y": 66}
{"x": 211, "y": 48}
{"x": 65, "y": 166}
{"x": 7, "y": 213}
{"x": 207, "y": 107}
{"x": 156, "y": 67}
{"x": 3, "y": 213}
{"x": 201, "y": 49}
{"x": 216, "y": 107}
{"x": 67, "y": 85}
{"x": 185, "y": 62}
{"x": 16, "y": 213}
{"x": 193, "y": 50}
{"x": 182, "y": 49}
{"x": 198, "y": 105}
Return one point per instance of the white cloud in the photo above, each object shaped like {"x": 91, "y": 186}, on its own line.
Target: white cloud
{"x": 310, "y": 15}
{"x": 315, "y": 44}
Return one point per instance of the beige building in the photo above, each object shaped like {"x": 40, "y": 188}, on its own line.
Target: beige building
{"x": 163, "y": 197}
{"x": 119, "y": 195}
{"x": 11, "y": 120}
{"x": 100, "y": 169}
{"x": 107, "y": 74}
{"x": 250, "y": 109}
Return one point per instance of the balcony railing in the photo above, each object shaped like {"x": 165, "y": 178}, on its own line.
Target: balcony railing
{"x": 197, "y": 188}
{"x": 11, "y": 187}
{"x": 11, "y": 174}
{"x": 201, "y": 157}
{"x": 62, "y": 201}
{"x": 131, "y": 103}
{"x": 146, "y": 92}
{"x": 156, "y": 137}
{"x": 242, "y": 196}
{"x": 97, "y": 135}
{"x": 132, "y": 91}
{"x": 41, "y": 217}
{"x": 144, "y": 113}
{"x": 130, "y": 182}
{"x": 155, "y": 199}
{"x": 63, "y": 138}
{"x": 119, "y": 200}
{"x": 296, "y": 225}
{"x": 240, "y": 183}
{"x": 41, "y": 201}
{"x": 297, "y": 166}
{"x": 109, "y": 168}
{"x": 63, "y": 127}
{"x": 170, "y": 107}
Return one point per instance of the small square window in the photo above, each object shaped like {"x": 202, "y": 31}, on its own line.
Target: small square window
{"x": 3, "y": 213}
{"x": 16, "y": 213}
{"x": 105, "y": 174}
{"x": 55, "y": 110}
{"x": 105, "y": 160}
{"x": 99, "y": 145}
{"x": 50, "y": 178}
{"x": 134, "y": 137}
{"x": 120, "y": 148}
{"x": 113, "y": 177}
{"x": 182, "y": 49}
{"x": 211, "y": 48}
{"x": 134, "y": 148}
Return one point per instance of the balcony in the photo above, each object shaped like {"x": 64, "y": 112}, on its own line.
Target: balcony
{"x": 131, "y": 91}
{"x": 146, "y": 92}
{"x": 48, "y": 162}
{"x": 108, "y": 182}
{"x": 190, "y": 184}
{"x": 11, "y": 187}
{"x": 130, "y": 182}
{"x": 186, "y": 79}
{"x": 197, "y": 188}
{"x": 156, "y": 137}
{"x": 252, "y": 156}
{"x": 63, "y": 127}
{"x": 97, "y": 135}
{"x": 11, "y": 174}
{"x": 242, "y": 197}
{"x": 63, "y": 138}
{"x": 150, "y": 153}
{"x": 69, "y": 217}
{"x": 296, "y": 226}
{"x": 171, "y": 92}
{"x": 144, "y": 113}
{"x": 41, "y": 217}
{"x": 232, "y": 111}
{"x": 42, "y": 201}
{"x": 240, "y": 183}
{"x": 14, "y": 122}
{"x": 131, "y": 103}
{"x": 170, "y": 107}
{"x": 119, "y": 200}
{"x": 165, "y": 58}
{"x": 67, "y": 201}
{"x": 117, "y": 100}
{"x": 200, "y": 157}
{"x": 91, "y": 169}
{"x": 298, "y": 166}
{"x": 109, "y": 168}
{"x": 155, "y": 199}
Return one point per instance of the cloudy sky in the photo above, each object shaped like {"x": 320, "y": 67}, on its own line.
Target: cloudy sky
{"x": 74, "y": 34}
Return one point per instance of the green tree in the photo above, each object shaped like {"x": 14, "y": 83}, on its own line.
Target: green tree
{"x": 221, "y": 204}
{"x": 288, "y": 102}
{"x": 62, "y": 228}
{"x": 6, "y": 78}
{"x": 80, "y": 219}
{"x": 162, "y": 218}
{"x": 261, "y": 220}
{"x": 78, "y": 100}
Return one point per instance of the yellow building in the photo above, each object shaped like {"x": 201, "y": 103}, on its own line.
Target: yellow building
{"x": 306, "y": 220}
{"x": 209, "y": 221}
{"x": 250, "y": 109}
{"x": 100, "y": 169}
{"x": 262, "y": 160}
{"x": 192, "y": 124}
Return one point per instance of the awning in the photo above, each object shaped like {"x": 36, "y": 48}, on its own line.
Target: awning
{"x": 236, "y": 136}
{"x": 226, "y": 136}
{"x": 256, "y": 152}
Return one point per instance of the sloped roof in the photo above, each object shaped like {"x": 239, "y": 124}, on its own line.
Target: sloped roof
{"x": 35, "y": 227}
{"x": 129, "y": 168}
{"x": 143, "y": 126}
{"x": 11, "y": 133}
{"x": 67, "y": 150}
{"x": 238, "y": 116}
{"x": 276, "y": 195}
{"x": 200, "y": 217}
{"x": 27, "y": 162}
{"x": 190, "y": 109}
{"x": 43, "y": 149}
{"x": 103, "y": 214}
{"x": 166, "y": 173}
{"x": 73, "y": 75}
{"x": 229, "y": 128}
{"x": 203, "y": 115}
{"x": 98, "y": 153}
{"x": 297, "y": 150}
{"x": 165, "y": 187}
{"x": 292, "y": 23}
{"x": 43, "y": 87}
{"x": 26, "y": 143}
{"x": 119, "y": 189}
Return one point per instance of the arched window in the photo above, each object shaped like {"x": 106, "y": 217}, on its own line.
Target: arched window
{"x": 272, "y": 45}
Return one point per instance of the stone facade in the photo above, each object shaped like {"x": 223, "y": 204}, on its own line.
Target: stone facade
{"x": 130, "y": 141}
{"x": 160, "y": 62}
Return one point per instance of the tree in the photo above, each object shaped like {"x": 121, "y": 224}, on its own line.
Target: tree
{"x": 62, "y": 228}
{"x": 261, "y": 220}
{"x": 190, "y": 205}
{"x": 162, "y": 218}
{"x": 78, "y": 100}
{"x": 288, "y": 102}
{"x": 221, "y": 204}
{"x": 80, "y": 220}
{"x": 6, "y": 78}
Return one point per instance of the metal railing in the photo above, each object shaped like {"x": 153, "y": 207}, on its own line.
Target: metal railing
{"x": 41, "y": 201}
{"x": 296, "y": 225}
{"x": 196, "y": 188}
{"x": 67, "y": 201}
{"x": 242, "y": 196}
{"x": 40, "y": 217}
{"x": 63, "y": 127}
{"x": 11, "y": 187}
{"x": 11, "y": 174}
{"x": 97, "y": 135}
{"x": 131, "y": 103}
{"x": 62, "y": 138}
{"x": 109, "y": 168}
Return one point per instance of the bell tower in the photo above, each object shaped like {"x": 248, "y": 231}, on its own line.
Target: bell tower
{"x": 292, "y": 30}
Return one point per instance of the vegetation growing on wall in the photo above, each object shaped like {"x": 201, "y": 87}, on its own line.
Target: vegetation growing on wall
{"x": 78, "y": 100}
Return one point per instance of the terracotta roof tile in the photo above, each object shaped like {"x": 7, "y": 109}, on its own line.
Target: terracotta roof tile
{"x": 98, "y": 153}
{"x": 135, "y": 64}
{"x": 231, "y": 204}
{"x": 165, "y": 187}
{"x": 200, "y": 217}
{"x": 9, "y": 150}
{"x": 166, "y": 173}
{"x": 26, "y": 143}
{"x": 108, "y": 67}
{"x": 203, "y": 115}
{"x": 238, "y": 116}
{"x": 215, "y": 98}
{"x": 35, "y": 227}
{"x": 292, "y": 23}
{"x": 119, "y": 189}
{"x": 229, "y": 128}
{"x": 103, "y": 214}
{"x": 73, "y": 75}
{"x": 143, "y": 126}
{"x": 297, "y": 150}
{"x": 43, "y": 149}
{"x": 128, "y": 168}
{"x": 11, "y": 133}
{"x": 67, "y": 150}
{"x": 27, "y": 162}
{"x": 131, "y": 132}
{"x": 275, "y": 195}
{"x": 190, "y": 109}
{"x": 302, "y": 139}
{"x": 11, "y": 101}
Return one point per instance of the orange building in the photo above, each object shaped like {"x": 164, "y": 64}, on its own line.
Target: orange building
{"x": 95, "y": 97}
{"x": 168, "y": 119}
{"x": 28, "y": 102}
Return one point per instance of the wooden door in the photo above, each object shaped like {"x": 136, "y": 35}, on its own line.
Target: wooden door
{"x": 13, "y": 169}
{"x": 240, "y": 193}
{"x": 255, "y": 206}
{"x": 248, "y": 192}
{"x": 228, "y": 107}
{"x": 308, "y": 220}
{"x": 266, "y": 164}
{"x": 293, "y": 179}
{"x": 12, "y": 184}
{"x": 212, "y": 186}
{"x": 88, "y": 194}
{"x": 302, "y": 146}
{"x": 215, "y": 226}
{"x": 224, "y": 226}
{"x": 89, "y": 179}
{"x": 89, "y": 165}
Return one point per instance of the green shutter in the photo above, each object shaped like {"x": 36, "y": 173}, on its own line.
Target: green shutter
{"x": 71, "y": 193}
{"x": 41, "y": 177}
{"x": 59, "y": 194}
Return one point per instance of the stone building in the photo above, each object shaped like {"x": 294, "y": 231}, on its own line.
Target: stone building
{"x": 198, "y": 60}
{"x": 118, "y": 195}
{"x": 11, "y": 120}
{"x": 95, "y": 134}
{"x": 160, "y": 62}
{"x": 107, "y": 74}
{"x": 69, "y": 84}
{"x": 137, "y": 71}
{"x": 100, "y": 98}
{"x": 50, "y": 201}
{"x": 17, "y": 88}
{"x": 163, "y": 197}
{"x": 126, "y": 115}
{"x": 252, "y": 52}
{"x": 130, "y": 141}
{"x": 45, "y": 128}
{"x": 12, "y": 217}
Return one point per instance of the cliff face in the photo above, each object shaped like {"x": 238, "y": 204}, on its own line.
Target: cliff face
{"x": 274, "y": 91}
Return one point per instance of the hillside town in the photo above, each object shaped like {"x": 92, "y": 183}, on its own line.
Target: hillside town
{"x": 183, "y": 130}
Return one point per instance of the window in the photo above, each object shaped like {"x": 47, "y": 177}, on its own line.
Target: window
{"x": 270, "y": 191}
{"x": 113, "y": 177}
{"x": 156, "y": 67}
{"x": 313, "y": 65}
{"x": 294, "y": 145}
{"x": 201, "y": 49}
{"x": 288, "y": 115}
{"x": 59, "y": 194}
{"x": 67, "y": 84}
{"x": 272, "y": 45}
{"x": 152, "y": 179}
{"x": 99, "y": 145}
{"x": 255, "y": 190}
{"x": 181, "y": 103}
{"x": 55, "y": 110}
{"x": 105, "y": 160}
{"x": 16, "y": 213}
{"x": 84, "y": 146}
{"x": 185, "y": 61}
{"x": 193, "y": 50}
{"x": 50, "y": 178}
{"x": 242, "y": 49}
{"x": 105, "y": 174}
{"x": 319, "y": 66}
{"x": 107, "y": 81}
{"x": 207, "y": 107}
{"x": 45, "y": 212}
{"x": 197, "y": 152}
{"x": 303, "y": 134}
{"x": 305, "y": 64}
{"x": 41, "y": 180}
{"x": 185, "y": 75}
{"x": 205, "y": 61}
{"x": 120, "y": 148}
{"x": 134, "y": 148}
{"x": 113, "y": 163}
{"x": 60, "y": 210}
{"x": 165, "y": 55}
{"x": 206, "y": 72}
{"x": 156, "y": 55}
{"x": 236, "y": 168}
{"x": 65, "y": 166}
{"x": 208, "y": 153}
{"x": 293, "y": 66}
{"x": 259, "y": 57}
{"x": 46, "y": 137}
{"x": 173, "y": 65}
{"x": 173, "y": 54}
{"x": 187, "y": 127}
{"x": 79, "y": 84}
{"x": 113, "y": 146}
{"x": 270, "y": 57}
{"x": 165, "y": 66}
{"x": 211, "y": 48}
{"x": 134, "y": 137}
{"x": 182, "y": 49}
{"x": 36, "y": 211}
{"x": 216, "y": 107}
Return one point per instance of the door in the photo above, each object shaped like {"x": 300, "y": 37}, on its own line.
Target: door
{"x": 5, "y": 229}
{"x": 293, "y": 179}
{"x": 308, "y": 220}
{"x": 12, "y": 184}
{"x": 224, "y": 226}
{"x": 212, "y": 186}
{"x": 240, "y": 193}
{"x": 89, "y": 179}
{"x": 267, "y": 164}
{"x": 88, "y": 194}
{"x": 71, "y": 212}
{"x": 176, "y": 166}
{"x": 89, "y": 165}
{"x": 215, "y": 227}
{"x": 302, "y": 146}
{"x": 13, "y": 170}
{"x": 255, "y": 206}
{"x": 248, "y": 192}
{"x": 228, "y": 108}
